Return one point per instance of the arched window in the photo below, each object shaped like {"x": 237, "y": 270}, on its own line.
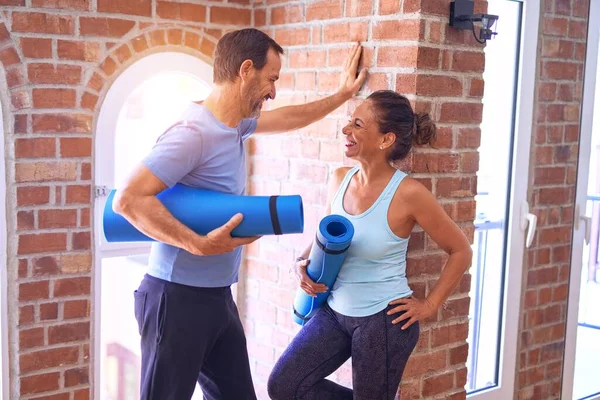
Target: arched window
{"x": 143, "y": 101}
{"x": 4, "y": 386}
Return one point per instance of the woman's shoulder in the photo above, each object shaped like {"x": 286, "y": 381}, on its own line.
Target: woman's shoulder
{"x": 414, "y": 190}
{"x": 340, "y": 172}
{"x": 337, "y": 177}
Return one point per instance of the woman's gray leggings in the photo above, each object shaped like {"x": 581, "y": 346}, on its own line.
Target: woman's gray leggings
{"x": 379, "y": 352}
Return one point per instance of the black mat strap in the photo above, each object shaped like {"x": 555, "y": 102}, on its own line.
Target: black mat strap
{"x": 329, "y": 251}
{"x": 274, "y": 216}
{"x": 300, "y": 316}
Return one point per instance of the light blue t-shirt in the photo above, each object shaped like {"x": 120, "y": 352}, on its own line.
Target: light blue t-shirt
{"x": 199, "y": 151}
{"x": 374, "y": 270}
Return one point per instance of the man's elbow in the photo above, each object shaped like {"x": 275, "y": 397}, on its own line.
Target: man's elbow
{"x": 122, "y": 202}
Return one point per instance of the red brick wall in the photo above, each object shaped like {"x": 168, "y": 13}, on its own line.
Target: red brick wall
{"x": 60, "y": 57}
{"x": 408, "y": 47}
{"x": 563, "y": 30}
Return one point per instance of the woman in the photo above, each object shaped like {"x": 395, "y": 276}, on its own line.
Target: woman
{"x": 370, "y": 314}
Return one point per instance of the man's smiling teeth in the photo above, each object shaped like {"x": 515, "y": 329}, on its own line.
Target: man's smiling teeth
{"x": 350, "y": 143}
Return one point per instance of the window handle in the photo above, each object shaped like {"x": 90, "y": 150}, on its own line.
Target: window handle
{"x": 586, "y": 220}
{"x": 528, "y": 222}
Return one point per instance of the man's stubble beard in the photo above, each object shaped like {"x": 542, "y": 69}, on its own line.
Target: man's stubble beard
{"x": 257, "y": 101}
{"x": 256, "y": 107}
{"x": 256, "y": 111}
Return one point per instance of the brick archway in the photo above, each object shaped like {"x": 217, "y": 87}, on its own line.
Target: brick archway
{"x": 191, "y": 41}
{"x": 11, "y": 61}
{"x": 51, "y": 110}
{"x": 13, "y": 99}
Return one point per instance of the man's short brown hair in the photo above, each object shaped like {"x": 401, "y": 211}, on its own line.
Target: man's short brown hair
{"x": 238, "y": 46}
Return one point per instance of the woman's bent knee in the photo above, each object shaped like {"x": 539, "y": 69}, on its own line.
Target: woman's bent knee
{"x": 285, "y": 380}
{"x": 278, "y": 387}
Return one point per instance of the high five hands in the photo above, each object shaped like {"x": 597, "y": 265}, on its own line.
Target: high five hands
{"x": 350, "y": 80}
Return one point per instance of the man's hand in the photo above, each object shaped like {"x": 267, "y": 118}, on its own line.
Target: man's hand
{"x": 350, "y": 81}
{"x": 290, "y": 118}
{"x": 308, "y": 285}
{"x": 219, "y": 240}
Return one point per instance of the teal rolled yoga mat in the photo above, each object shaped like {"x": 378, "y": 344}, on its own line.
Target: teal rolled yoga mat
{"x": 327, "y": 254}
{"x": 205, "y": 210}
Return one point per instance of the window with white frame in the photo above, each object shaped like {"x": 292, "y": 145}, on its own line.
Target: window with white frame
{"x": 498, "y": 246}
{"x": 145, "y": 100}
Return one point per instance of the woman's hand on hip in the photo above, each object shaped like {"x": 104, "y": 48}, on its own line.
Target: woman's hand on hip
{"x": 308, "y": 285}
{"x": 414, "y": 310}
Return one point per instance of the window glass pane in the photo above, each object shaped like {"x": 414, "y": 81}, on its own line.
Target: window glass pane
{"x": 587, "y": 352}
{"x": 493, "y": 195}
{"x": 148, "y": 111}
{"x": 120, "y": 341}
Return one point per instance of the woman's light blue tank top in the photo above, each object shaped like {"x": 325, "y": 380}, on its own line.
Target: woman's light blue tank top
{"x": 374, "y": 270}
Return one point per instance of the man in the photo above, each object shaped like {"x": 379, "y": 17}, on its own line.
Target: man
{"x": 188, "y": 321}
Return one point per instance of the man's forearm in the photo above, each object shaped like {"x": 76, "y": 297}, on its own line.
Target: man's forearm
{"x": 152, "y": 218}
{"x": 290, "y": 118}
{"x": 303, "y": 115}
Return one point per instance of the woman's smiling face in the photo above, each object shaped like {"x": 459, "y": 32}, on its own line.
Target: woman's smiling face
{"x": 363, "y": 139}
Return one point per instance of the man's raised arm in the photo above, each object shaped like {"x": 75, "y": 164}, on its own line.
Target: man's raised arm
{"x": 289, "y": 118}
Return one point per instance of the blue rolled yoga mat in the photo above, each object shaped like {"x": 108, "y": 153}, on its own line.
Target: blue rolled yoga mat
{"x": 326, "y": 256}
{"x": 204, "y": 210}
